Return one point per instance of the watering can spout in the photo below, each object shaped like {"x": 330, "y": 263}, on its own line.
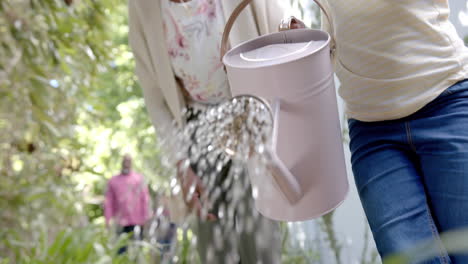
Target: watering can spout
{"x": 284, "y": 179}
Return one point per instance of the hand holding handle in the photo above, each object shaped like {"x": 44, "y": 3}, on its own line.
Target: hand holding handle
{"x": 242, "y": 6}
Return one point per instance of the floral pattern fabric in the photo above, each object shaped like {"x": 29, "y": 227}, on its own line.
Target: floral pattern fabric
{"x": 193, "y": 32}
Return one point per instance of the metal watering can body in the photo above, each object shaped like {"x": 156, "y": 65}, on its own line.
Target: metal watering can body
{"x": 292, "y": 70}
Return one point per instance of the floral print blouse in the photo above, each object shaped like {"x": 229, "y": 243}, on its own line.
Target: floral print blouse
{"x": 193, "y": 32}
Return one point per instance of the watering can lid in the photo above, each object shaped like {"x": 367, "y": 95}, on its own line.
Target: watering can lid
{"x": 276, "y": 48}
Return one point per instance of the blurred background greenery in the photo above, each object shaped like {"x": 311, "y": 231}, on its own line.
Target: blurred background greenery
{"x": 70, "y": 106}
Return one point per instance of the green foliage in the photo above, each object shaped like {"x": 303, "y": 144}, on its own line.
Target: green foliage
{"x": 295, "y": 255}
{"x": 335, "y": 245}
{"x": 69, "y": 107}
{"x": 299, "y": 256}
{"x": 454, "y": 242}
{"x": 79, "y": 245}
{"x": 49, "y": 56}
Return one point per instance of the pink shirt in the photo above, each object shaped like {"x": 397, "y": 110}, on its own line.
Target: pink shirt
{"x": 127, "y": 200}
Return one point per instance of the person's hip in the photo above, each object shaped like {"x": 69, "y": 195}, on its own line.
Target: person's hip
{"x": 447, "y": 102}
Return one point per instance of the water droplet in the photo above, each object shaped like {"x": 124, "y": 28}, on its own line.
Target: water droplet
{"x": 255, "y": 192}
{"x": 54, "y": 83}
{"x": 18, "y": 24}
{"x": 173, "y": 182}
{"x": 176, "y": 190}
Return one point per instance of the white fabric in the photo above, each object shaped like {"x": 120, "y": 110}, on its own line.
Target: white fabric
{"x": 394, "y": 57}
{"x": 193, "y": 33}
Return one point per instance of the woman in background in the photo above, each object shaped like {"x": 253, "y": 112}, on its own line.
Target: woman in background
{"x": 176, "y": 45}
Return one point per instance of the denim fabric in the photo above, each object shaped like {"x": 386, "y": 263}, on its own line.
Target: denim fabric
{"x": 412, "y": 174}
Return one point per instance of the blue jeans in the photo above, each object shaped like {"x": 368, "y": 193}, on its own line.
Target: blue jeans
{"x": 412, "y": 174}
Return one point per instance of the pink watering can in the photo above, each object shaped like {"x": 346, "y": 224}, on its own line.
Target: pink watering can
{"x": 291, "y": 73}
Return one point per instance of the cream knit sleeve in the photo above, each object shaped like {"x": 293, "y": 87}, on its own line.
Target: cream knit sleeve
{"x": 158, "y": 111}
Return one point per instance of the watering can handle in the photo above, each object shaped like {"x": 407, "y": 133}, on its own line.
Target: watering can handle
{"x": 286, "y": 181}
{"x": 242, "y": 6}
